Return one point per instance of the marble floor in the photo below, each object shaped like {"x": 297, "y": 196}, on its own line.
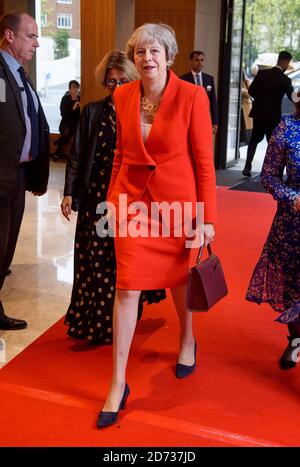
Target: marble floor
{"x": 39, "y": 288}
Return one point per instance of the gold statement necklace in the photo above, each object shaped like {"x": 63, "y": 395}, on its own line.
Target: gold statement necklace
{"x": 149, "y": 108}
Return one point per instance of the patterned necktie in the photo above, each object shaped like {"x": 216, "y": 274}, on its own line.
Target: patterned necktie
{"x": 33, "y": 116}
{"x": 198, "y": 81}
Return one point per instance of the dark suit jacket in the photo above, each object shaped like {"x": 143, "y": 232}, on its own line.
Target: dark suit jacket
{"x": 267, "y": 89}
{"x": 79, "y": 165}
{"x": 12, "y": 135}
{"x": 209, "y": 85}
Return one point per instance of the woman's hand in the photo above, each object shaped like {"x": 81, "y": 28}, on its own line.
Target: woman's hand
{"x": 76, "y": 105}
{"x": 208, "y": 233}
{"x": 66, "y": 206}
{"x": 297, "y": 203}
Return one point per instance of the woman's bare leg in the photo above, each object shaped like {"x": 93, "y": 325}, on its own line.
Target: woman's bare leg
{"x": 124, "y": 322}
{"x": 187, "y": 340}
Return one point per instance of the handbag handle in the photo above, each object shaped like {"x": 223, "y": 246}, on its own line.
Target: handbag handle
{"x": 201, "y": 250}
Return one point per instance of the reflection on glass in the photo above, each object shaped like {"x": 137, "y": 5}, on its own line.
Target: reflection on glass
{"x": 235, "y": 76}
{"x": 58, "y": 57}
{"x": 55, "y": 236}
{"x": 64, "y": 267}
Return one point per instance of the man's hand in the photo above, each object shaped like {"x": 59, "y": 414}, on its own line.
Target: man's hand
{"x": 215, "y": 129}
{"x": 66, "y": 206}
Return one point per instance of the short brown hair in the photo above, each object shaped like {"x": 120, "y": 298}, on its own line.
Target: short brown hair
{"x": 11, "y": 21}
{"x": 73, "y": 82}
{"x": 118, "y": 60}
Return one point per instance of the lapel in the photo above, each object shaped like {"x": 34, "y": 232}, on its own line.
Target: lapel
{"x": 162, "y": 120}
{"x": 205, "y": 81}
{"x": 132, "y": 121}
{"x": 94, "y": 125}
{"x": 96, "y": 117}
{"x": 190, "y": 77}
{"x": 14, "y": 87}
{"x": 165, "y": 115}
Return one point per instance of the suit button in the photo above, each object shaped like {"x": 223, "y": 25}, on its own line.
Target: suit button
{"x": 151, "y": 167}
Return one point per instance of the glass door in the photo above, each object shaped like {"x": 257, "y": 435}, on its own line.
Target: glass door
{"x": 58, "y": 57}
{"x": 232, "y": 31}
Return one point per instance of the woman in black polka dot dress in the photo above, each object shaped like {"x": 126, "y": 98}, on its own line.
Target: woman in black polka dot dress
{"x": 88, "y": 172}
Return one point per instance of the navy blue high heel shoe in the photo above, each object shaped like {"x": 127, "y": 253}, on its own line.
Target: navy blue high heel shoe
{"x": 184, "y": 370}
{"x": 109, "y": 418}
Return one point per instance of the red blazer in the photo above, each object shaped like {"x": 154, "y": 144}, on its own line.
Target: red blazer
{"x": 176, "y": 163}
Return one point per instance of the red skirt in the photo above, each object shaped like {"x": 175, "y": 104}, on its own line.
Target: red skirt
{"x": 147, "y": 262}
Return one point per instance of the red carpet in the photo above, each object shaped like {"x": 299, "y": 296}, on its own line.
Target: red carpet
{"x": 51, "y": 393}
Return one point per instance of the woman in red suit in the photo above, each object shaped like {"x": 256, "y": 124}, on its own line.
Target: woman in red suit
{"x": 164, "y": 154}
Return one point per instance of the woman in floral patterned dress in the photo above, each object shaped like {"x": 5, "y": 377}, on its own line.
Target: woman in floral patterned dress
{"x": 276, "y": 277}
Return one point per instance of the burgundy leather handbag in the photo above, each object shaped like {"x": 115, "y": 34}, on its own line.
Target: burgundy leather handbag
{"x": 206, "y": 282}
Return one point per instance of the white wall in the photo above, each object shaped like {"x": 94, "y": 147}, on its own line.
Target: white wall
{"x": 207, "y": 34}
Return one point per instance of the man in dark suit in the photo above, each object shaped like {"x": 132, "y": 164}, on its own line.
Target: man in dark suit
{"x": 267, "y": 89}
{"x": 24, "y": 138}
{"x": 196, "y": 76}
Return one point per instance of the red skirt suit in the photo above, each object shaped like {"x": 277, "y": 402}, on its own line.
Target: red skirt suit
{"x": 175, "y": 164}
